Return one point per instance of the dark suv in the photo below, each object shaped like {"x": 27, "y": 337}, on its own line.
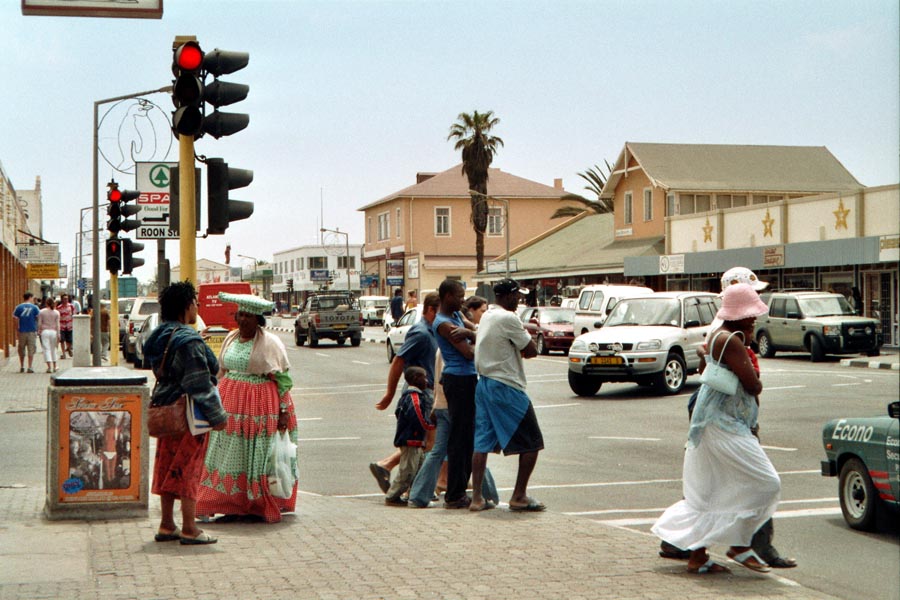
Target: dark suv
{"x": 816, "y": 322}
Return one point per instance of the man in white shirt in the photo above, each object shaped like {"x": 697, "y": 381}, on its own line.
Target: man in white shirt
{"x": 504, "y": 416}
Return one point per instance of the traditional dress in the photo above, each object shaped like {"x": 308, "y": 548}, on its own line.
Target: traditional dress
{"x": 255, "y": 389}
{"x": 730, "y": 486}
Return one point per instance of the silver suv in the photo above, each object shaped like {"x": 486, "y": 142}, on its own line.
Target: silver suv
{"x": 816, "y": 322}
{"x": 649, "y": 340}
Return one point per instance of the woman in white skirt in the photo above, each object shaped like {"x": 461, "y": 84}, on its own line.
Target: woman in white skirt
{"x": 729, "y": 484}
{"x": 48, "y": 331}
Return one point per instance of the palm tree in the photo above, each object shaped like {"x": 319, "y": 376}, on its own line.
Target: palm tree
{"x": 596, "y": 180}
{"x": 472, "y": 134}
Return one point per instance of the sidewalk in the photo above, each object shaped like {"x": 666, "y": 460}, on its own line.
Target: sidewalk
{"x": 338, "y": 548}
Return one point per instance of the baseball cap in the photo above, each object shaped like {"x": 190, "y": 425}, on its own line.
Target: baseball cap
{"x": 508, "y": 286}
{"x": 742, "y": 275}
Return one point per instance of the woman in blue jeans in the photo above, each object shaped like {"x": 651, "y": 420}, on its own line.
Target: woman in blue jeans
{"x": 423, "y": 486}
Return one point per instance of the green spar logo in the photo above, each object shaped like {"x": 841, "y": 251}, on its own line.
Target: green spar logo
{"x": 159, "y": 176}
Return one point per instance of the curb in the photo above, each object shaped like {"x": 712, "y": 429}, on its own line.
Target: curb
{"x": 870, "y": 364}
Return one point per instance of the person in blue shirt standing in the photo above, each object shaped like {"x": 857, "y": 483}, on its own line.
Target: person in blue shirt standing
{"x": 26, "y": 315}
{"x": 397, "y": 305}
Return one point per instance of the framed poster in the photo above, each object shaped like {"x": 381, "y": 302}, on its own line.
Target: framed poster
{"x": 394, "y": 267}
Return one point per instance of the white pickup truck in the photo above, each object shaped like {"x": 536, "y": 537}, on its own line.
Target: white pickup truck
{"x": 329, "y": 315}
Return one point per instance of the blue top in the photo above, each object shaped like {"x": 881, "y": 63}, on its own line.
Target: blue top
{"x": 454, "y": 362}
{"x": 735, "y": 414}
{"x": 397, "y": 307}
{"x": 419, "y": 349}
{"x": 27, "y": 313}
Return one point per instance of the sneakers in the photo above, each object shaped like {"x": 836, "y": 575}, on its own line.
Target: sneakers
{"x": 463, "y": 502}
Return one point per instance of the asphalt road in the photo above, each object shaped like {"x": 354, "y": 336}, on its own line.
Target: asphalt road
{"x": 617, "y": 457}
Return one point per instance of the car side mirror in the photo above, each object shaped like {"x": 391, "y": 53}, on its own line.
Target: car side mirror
{"x": 598, "y": 324}
{"x": 691, "y": 323}
{"x": 792, "y": 315}
{"x": 894, "y": 410}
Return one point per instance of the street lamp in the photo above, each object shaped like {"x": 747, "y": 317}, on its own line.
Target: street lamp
{"x": 347, "y": 245}
{"x": 505, "y": 220}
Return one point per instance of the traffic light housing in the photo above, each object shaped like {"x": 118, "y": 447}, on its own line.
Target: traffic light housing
{"x": 129, "y": 261}
{"x": 290, "y": 285}
{"x": 221, "y": 210}
{"x": 119, "y": 210}
{"x": 113, "y": 255}
{"x": 190, "y": 66}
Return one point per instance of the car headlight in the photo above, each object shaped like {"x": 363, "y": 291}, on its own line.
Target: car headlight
{"x": 579, "y": 346}
{"x": 649, "y": 345}
{"x": 868, "y": 331}
{"x": 832, "y": 330}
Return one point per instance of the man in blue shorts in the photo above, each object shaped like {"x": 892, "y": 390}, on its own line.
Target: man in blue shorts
{"x": 26, "y": 315}
{"x": 504, "y": 416}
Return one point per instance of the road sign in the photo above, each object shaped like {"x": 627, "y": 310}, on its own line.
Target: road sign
{"x": 152, "y": 181}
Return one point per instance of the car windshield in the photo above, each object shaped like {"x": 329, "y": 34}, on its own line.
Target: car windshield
{"x": 645, "y": 311}
{"x": 148, "y": 308}
{"x": 557, "y": 316}
{"x": 825, "y": 306}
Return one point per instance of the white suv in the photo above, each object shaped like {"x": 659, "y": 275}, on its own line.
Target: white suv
{"x": 649, "y": 340}
{"x": 596, "y": 301}
{"x": 140, "y": 310}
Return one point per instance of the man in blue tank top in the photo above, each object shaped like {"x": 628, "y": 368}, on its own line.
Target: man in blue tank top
{"x": 456, "y": 341}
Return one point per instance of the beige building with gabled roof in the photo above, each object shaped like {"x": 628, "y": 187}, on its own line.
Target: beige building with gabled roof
{"x": 422, "y": 234}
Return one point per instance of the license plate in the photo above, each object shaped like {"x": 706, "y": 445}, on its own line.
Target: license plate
{"x": 607, "y": 360}
{"x": 340, "y": 326}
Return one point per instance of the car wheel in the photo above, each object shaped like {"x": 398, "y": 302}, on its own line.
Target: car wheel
{"x": 765, "y": 345}
{"x": 875, "y": 352}
{"x": 671, "y": 378}
{"x": 298, "y": 339}
{"x": 858, "y": 495}
{"x": 390, "y": 351}
{"x": 816, "y": 352}
{"x": 355, "y": 341}
{"x": 541, "y": 346}
{"x": 584, "y": 385}
{"x": 313, "y": 338}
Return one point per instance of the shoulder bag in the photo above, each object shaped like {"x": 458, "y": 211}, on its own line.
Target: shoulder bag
{"x": 718, "y": 377}
{"x": 169, "y": 420}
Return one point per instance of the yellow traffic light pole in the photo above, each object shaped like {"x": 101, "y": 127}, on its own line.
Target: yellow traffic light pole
{"x": 113, "y": 311}
{"x": 187, "y": 219}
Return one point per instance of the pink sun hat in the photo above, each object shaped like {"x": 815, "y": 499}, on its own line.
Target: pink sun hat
{"x": 740, "y": 301}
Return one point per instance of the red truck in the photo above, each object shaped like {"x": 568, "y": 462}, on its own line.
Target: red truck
{"x": 213, "y": 311}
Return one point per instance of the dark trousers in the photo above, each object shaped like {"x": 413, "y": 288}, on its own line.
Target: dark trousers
{"x": 460, "y": 393}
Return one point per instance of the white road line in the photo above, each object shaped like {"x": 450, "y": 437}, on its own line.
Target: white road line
{"x": 778, "y": 448}
{"x": 343, "y": 387}
{"x": 786, "y": 514}
{"x": 556, "y": 405}
{"x": 328, "y": 439}
{"x": 310, "y": 419}
{"x": 619, "y": 511}
{"x": 783, "y": 387}
{"x": 359, "y": 362}
{"x": 610, "y": 437}
{"x": 845, "y": 384}
{"x": 336, "y": 390}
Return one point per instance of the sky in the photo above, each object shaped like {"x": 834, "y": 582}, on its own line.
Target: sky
{"x": 350, "y": 99}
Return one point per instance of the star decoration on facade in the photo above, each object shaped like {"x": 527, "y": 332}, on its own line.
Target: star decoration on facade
{"x": 840, "y": 216}
{"x": 707, "y": 231}
{"x": 767, "y": 224}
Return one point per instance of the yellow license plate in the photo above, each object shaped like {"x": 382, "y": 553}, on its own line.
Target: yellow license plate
{"x": 607, "y": 360}
{"x": 342, "y": 326}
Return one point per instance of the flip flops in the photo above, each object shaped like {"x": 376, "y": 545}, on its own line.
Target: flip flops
{"x": 749, "y": 559}
{"x": 486, "y": 505}
{"x": 382, "y": 476}
{"x": 202, "y": 539}
{"x": 708, "y": 568}
{"x": 532, "y": 506}
{"x": 168, "y": 537}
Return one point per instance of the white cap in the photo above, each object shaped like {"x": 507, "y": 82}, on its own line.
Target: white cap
{"x": 742, "y": 275}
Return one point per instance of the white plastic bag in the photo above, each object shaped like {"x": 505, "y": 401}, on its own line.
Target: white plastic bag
{"x": 281, "y": 474}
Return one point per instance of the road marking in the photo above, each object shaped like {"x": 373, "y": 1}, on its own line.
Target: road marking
{"x": 536, "y": 406}
{"x": 661, "y": 510}
{"x": 328, "y": 439}
{"x": 781, "y": 514}
{"x": 359, "y": 362}
{"x": 343, "y": 387}
{"x": 846, "y": 384}
{"x": 322, "y": 354}
{"x": 610, "y": 437}
{"x": 783, "y": 387}
{"x": 778, "y": 448}
{"x": 310, "y": 419}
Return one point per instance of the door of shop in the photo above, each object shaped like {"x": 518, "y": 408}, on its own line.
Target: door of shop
{"x": 880, "y": 299}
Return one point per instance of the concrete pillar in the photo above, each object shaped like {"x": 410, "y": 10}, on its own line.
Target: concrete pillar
{"x": 81, "y": 341}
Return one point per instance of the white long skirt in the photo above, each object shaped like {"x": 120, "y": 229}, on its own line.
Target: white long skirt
{"x": 49, "y": 339}
{"x": 730, "y": 489}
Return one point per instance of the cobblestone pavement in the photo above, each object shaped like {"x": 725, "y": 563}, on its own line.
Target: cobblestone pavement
{"x": 340, "y": 548}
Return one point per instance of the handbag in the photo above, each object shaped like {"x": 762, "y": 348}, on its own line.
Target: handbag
{"x": 718, "y": 377}
{"x": 169, "y": 420}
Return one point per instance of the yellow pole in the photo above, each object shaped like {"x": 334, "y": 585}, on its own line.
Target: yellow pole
{"x": 187, "y": 219}
{"x": 113, "y": 320}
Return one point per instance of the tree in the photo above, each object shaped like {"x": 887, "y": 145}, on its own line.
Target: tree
{"x": 472, "y": 134}
{"x": 596, "y": 180}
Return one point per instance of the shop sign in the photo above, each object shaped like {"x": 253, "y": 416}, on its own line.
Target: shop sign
{"x": 773, "y": 256}
{"x": 42, "y": 271}
{"x": 671, "y": 263}
{"x": 889, "y": 248}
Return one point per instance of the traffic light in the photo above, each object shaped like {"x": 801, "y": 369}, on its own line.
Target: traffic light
{"x": 220, "y": 209}
{"x": 175, "y": 202}
{"x": 190, "y": 66}
{"x": 113, "y": 254}
{"x": 119, "y": 210}
{"x": 129, "y": 261}
{"x": 290, "y": 285}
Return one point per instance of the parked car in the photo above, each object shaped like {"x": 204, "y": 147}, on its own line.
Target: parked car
{"x": 144, "y": 331}
{"x": 551, "y": 328}
{"x": 816, "y": 322}
{"x": 596, "y": 301}
{"x": 649, "y": 340}
{"x": 865, "y": 454}
{"x": 397, "y": 334}
{"x": 373, "y": 308}
{"x": 141, "y": 308}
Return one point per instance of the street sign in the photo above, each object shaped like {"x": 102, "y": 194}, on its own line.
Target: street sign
{"x": 42, "y": 271}
{"x": 152, "y": 181}
{"x": 38, "y": 253}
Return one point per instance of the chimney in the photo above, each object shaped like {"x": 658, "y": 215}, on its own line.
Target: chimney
{"x": 557, "y": 184}
{"x": 420, "y": 177}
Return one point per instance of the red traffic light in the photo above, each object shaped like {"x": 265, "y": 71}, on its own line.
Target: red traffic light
{"x": 114, "y": 195}
{"x": 189, "y": 56}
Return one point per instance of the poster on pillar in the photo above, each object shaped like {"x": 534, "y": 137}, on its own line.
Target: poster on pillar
{"x": 98, "y": 456}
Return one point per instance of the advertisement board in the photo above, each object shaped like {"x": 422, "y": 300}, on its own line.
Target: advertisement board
{"x": 152, "y": 181}
{"x": 394, "y": 275}
{"x": 99, "y": 440}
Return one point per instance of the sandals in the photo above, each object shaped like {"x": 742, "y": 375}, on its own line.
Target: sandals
{"x": 168, "y": 537}
{"x": 532, "y": 506}
{"x": 749, "y": 559}
{"x": 202, "y": 539}
{"x": 709, "y": 567}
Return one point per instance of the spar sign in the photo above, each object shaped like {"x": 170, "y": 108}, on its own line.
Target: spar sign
{"x": 153, "y": 184}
